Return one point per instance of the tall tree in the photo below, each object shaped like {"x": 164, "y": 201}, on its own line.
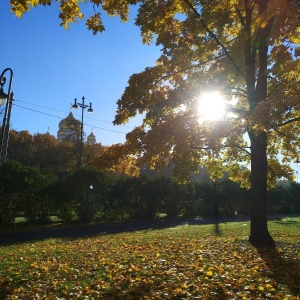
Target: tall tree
{"x": 243, "y": 48}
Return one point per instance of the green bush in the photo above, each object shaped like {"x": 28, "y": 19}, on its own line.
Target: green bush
{"x": 23, "y": 189}
{"x": 83, "y": 195}
{"x": 285, "y": 198}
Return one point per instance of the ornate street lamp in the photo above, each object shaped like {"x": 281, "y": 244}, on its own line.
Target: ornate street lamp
{"x": 7, "y": 99}
{"x": 90, "y": 110}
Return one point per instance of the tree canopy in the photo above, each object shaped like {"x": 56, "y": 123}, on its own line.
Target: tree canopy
{"x": 207, "y": 46}
{"x": 245, "y": 50}
{"x": 47, "y": 153}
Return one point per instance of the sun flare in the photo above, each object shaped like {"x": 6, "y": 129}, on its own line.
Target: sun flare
{"x": 211, "y": 107}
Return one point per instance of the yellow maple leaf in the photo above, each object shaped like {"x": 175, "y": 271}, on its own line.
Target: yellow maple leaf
{"x": 18, "y": 13}
{"x": 209, "y": 273}
{"x": 184, "y": 286}
{"x": 34, "y": 2}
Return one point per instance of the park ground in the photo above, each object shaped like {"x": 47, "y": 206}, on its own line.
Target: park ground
{"x": 154, "y": 259}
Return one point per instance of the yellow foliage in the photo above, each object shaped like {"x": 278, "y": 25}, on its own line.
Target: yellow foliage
{"x": 243, "y": 49}
{"x": 209, "y": 273}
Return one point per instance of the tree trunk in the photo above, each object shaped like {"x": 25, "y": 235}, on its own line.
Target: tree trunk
{"x": 256, "y": 60}
{"x": 259, "y": 234}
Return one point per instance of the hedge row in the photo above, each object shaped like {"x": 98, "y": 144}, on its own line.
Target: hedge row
{"x": 92, "y": 195}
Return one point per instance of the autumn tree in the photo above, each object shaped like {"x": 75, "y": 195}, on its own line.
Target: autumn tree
{"x": 21, "y": 147}
{"x": 47, "y": 153}
{"x": 242, "y": 48}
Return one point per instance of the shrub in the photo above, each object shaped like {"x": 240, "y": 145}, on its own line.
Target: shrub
{"x": 23, "y": 189}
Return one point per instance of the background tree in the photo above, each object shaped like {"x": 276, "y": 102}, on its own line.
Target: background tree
{"x": 90, "y": 151}
{"x": 244, "y": 48}
{"x": 21, "y": 147}
{"x": 284, "y": 198}
{"x": 47, "y": 153}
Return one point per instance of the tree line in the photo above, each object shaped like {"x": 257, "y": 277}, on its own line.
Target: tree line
{"x": 91, "y": 195}
{"x": 47, "y": 153}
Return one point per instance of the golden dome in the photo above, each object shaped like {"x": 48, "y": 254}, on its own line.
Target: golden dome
{"x": 91, "y": 136}
{"x": 91, "y": 139}
{"x": 68, "y": 122}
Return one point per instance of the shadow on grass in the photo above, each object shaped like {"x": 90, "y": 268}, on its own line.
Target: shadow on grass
{"x": 284, "y": 270}
{"x": 82, "y": 230}
{"x": 217, "y": 229}
{"x": 89, "y": 230}
{"x": 286, "y": 222}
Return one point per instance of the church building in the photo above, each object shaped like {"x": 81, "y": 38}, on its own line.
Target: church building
{"x": 69, "y": 129}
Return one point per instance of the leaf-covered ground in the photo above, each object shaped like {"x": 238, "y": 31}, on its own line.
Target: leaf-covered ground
{"x": 184, "y": 262}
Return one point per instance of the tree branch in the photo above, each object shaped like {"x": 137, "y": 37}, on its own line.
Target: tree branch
{"x": 238, "y": 89}
{"x": 288, "y": 122}
{"x": 187, "y": 68}
{"x": 223, "y": 147}
{"x": 283, "y": 134}
{"x": 215, "y": 38}
{"x": 274, "y": 174}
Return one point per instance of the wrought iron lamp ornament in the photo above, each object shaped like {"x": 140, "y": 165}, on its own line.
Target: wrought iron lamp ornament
{"x": 7, "y": 99}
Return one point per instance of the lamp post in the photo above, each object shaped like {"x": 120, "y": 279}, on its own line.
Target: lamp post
{"x": 5, "y": 98}
{"x": 90, "y": 110}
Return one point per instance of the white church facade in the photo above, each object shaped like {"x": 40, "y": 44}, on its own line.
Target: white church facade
{"x": 69, "y": 129}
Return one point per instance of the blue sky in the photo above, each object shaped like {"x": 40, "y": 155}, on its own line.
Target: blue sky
{"x": 52, "y": 66}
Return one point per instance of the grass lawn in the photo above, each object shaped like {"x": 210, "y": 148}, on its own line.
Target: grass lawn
{"x": 184, "y": 262}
